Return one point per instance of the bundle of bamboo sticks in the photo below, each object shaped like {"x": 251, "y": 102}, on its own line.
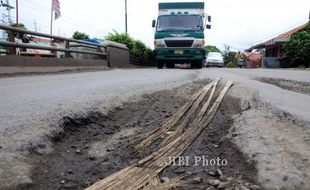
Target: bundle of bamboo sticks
{"x": 180, "y": 131}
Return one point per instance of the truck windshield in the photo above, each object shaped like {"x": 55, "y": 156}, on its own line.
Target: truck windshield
{"x": 179, "y": 22}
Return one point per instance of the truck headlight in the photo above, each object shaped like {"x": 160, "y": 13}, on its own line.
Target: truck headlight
{"x": 198, "y": 43}
{"x": 159, "y": 43}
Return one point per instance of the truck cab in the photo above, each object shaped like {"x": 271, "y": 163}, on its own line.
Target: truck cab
{"x": 179, "y": 36}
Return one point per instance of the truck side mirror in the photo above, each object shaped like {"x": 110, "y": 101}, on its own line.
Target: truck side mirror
{"x": 208, "y": 26}
{"x": 209, "y": 18}
{"x": 153, "y": 23}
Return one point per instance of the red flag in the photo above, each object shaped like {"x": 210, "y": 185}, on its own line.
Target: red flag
{"x": 56, "y": 8}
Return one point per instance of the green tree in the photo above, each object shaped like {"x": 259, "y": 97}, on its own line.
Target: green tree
{"x": 210, "y": 48}
{"x": 13, "y": 35}
{"x": 17, "y": 34}
{"x": 80, "y": 35}
{"x": 20, "y": 25}
{"x": 121, "y": 38}
{"x": 296, "y": 51}
{"x": 139, "y": 48}
{"x": 136, "y": 47}
{"x": 230, "y": 58}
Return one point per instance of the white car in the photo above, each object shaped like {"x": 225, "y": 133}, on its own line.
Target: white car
{"x": 215, "y": 59}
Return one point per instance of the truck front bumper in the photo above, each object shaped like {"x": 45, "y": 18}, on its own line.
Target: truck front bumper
{"x": 180, "y": 54}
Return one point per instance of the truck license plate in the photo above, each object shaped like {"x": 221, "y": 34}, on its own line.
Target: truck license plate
{"x": 178, "y": 52}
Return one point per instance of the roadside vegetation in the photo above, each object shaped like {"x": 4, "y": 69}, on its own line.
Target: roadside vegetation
{"x": 12, "y": 35}
{"x": 297, "y": 50}
{"x": 136, "y": 47}
{"x": 80, "y": 35}
{"x": 210, "y": 48}
{"x": 229, "y": 56}
{"x": 230, "y": 59}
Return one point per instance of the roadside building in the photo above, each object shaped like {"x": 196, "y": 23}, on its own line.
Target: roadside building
{"x": 42, "y": 42}
{"x": 253, "y": 60}
{"x": 274, "y": 48}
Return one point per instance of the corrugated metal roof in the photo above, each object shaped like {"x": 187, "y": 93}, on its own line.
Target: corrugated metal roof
{"x": 291, "y": 32}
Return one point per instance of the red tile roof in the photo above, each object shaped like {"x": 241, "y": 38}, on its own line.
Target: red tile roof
{"x": 253, "y": 56}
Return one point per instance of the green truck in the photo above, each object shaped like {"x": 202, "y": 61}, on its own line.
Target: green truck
{"x": 179, "y": 36}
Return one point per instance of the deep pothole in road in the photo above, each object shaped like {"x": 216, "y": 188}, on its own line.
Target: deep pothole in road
{"x": 90, "y": 149}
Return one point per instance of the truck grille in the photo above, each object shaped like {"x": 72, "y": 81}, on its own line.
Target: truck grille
{"x": 179, "y": 43}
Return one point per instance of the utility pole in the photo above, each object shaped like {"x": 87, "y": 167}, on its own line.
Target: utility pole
{"x": 51, "y": 28}
{"x": 3, "y": 31}
{"x": 35, "y": 26}
{"x": 126, "y": 26}
{"x": 8, "y": 7}
{"x": 17, "y": 14}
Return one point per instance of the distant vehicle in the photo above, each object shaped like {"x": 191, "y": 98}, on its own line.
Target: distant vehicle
{"x": 241, "y": 64}
{"x": 240, "y": 60}
{"x": 215, "y": 59}
{"x": 179, "y": 36}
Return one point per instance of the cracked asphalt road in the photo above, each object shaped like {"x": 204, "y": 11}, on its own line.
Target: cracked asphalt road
{"x": 32, "y": 107}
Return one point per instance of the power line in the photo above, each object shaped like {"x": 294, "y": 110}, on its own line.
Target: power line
{"x": 41, "y": 10}
{"x": 277, "y": 33}
{"x": 8, "y": 7}
{"x": 64, "y": 17}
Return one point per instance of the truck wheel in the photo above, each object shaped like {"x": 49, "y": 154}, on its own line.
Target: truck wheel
{"x": 160, "y": 64}
{"x": 199, "y": 64}
{"x": 170, "y": 65}
{"x": 196, "y": 64}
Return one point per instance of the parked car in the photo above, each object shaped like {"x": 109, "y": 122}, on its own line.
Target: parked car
{"x": 214, "y": 59}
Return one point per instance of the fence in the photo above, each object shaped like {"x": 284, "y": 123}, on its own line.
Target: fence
{"x": 101, "y": 50}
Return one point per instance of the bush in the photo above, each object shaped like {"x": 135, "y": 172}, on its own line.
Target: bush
{"x": 139, "y": 48}
{"x": 17, "y": 34}
{"x": 12, "y": 35}
{"x": 80, "y": 35}
{"x": 231, "y": 64}
{"x": 210, "y": 48}
{"x": 136, "y": 47}
{"x": 296, "y": 51}
{"x": 121, "y": 38}
{"x": 230, "y": 57}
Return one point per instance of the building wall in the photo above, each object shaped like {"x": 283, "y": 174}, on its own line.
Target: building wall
{"x": 274, "y": 51}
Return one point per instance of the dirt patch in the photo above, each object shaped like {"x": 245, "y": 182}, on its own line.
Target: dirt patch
{"x": 300, "y": 87}
{"x": 95, "y": 147}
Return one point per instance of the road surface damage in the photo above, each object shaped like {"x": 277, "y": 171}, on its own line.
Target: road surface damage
{"x": 145, "y": 172}
{"x": 147, "y": 146}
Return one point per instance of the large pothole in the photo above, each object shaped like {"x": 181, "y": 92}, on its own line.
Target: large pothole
{"x": 93, "y": 148}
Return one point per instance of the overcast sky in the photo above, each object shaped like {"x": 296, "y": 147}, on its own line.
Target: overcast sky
{"x": 239, "y": 23}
